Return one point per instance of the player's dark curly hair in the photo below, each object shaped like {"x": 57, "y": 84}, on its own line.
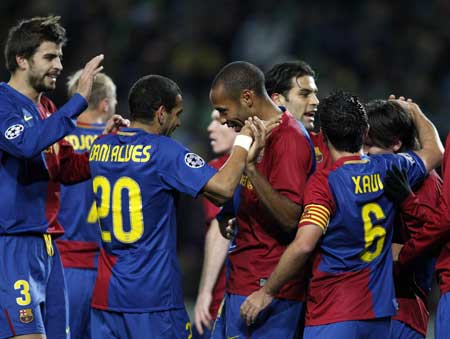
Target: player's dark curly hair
{"x": 238, "y": 76}
{"x": 279, "y": 77}
{"x": 26, "y": 37}
{"x": 148, "y": 94}
{"x": 390, "y": 123}
{"x": 343, "y": 121}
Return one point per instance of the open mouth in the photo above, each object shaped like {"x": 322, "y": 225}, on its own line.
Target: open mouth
{"x": 52, "y": 76}
{"x": 234, "y": 124}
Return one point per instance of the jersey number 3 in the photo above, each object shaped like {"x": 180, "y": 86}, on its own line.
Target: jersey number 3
{"x": 372, "y": 233}
{"x": 111, "y": 203}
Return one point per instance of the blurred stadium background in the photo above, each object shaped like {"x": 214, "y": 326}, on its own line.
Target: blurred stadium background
{"x": 372, "y": 48}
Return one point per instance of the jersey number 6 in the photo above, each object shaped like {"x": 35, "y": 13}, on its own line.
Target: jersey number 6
{"x": 372, "y": 233}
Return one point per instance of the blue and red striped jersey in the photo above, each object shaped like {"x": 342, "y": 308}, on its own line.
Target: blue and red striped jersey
{"x": 435, "y": 232}
{"x": 77, "y": 213}
{"x": 28, "y": 203}
{"x": 136, "y": 177}
{"x": 260, "y": 241}
{"x": 352, "y": 271}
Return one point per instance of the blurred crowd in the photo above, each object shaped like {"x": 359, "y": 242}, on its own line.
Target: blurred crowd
{"x": 372, "y": 48}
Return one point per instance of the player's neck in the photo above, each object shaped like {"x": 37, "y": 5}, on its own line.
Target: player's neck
{"x": 149, "y": 128}
{"x": 268, "y": 110}
{"x": 22, "y": 86}
{"x": 92, "y": 117}
{"x": 336, "y": 155}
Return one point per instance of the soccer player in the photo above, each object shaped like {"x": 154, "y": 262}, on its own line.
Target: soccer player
{"x": 271, "y": 198}
{"x": 433, "y": 237}
{"x": 137, "y": 174}
{"x": 77, "y": 214}
{"x": 350, "y": 220}
{"x": 32, "y": 294}
{"x": 292, "y": 85}
{"x": 392, "y": 131}
{"x": 213, "y": 279}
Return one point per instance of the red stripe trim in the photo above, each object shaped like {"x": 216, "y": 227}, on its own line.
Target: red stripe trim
{"x": 11, "y": 327}
{"x": 78, "y": 254}
{"x": 104, "y": 272}
{"x": 90, "y": 126}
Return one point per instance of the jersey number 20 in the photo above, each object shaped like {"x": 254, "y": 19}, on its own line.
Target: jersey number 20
{"x": 111, "y": 203}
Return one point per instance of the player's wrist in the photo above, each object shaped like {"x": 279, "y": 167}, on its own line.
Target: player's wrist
{"x": 244, "y": 141}
{"x": 268, "y": 291}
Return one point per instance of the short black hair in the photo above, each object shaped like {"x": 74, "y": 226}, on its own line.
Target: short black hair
{"x": 390, "y": 123}
{"x": 148, "y": 94}
{"x": 238, "y": 76}
{"x": 279, "y": 77}
{"x": 26, "y": 37}
{"x": 343, "y": 121}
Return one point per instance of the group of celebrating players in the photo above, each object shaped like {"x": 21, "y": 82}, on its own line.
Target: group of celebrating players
{"x": 322, "y": 233}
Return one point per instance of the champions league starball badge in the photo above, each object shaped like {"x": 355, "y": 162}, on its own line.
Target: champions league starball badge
{"x": 14, "y": 131}
{"x": 193, "y": 160}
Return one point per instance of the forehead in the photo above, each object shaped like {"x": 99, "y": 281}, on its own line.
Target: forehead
{"x": 219, "y": 97}
{"x": 178, "y": 102}
{"x": 304, "y": 82}
{"x": 49, "y": 47}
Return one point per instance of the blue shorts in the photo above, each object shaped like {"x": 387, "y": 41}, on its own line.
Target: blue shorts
{"x": 442, "y": 322}
{"x": 32, "y": 288}
{"x": 400, "y": 330}
{"x": 80, "y": 284}
{"x": 206, "y": 333}
{"x": 355, "y": 329}
{"x": 279, "y": 320}
{"x": 172, "y": 324}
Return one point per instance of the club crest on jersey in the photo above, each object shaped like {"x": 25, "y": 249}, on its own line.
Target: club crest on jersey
{"x": 14, "y": 131}
{"x": 319, "y": 155}
{"x": 26, "y": 315}
{"x": 193, "y": 160}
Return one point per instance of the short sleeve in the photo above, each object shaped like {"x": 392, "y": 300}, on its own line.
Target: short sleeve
{"x": 182, "y": 169}
{"x": 318, "y": 201}
{"x": 414, "y": 166}
{"x": 291, "y": 159}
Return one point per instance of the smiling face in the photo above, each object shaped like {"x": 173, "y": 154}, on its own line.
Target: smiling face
{"x": 232, "y": 112}
{"x": 301, "y": 100}
{"x": 44, "y": 67}
{"x": 221, "y": 136}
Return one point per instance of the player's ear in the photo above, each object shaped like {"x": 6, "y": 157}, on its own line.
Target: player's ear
{"x": 22, "y": 62}
{"x": 161, "y": 114}
{"x": 278, "y": 99}
{"x": 247, "y": 97}
{"x": 103, "y": 106}
{"x": 397, "y": 145}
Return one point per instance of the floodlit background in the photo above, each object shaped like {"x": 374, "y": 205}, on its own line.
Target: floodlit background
{"x": 372, "y": 48}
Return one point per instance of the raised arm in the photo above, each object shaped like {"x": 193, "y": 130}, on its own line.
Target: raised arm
{"x": 432, "y": 148}
{"x": 221, "y": 186}
{"x": 24, "y": 140}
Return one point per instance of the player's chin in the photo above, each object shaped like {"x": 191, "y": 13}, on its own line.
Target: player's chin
{"x": 49, "y": 86}
{"x": 309, "y": 126}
